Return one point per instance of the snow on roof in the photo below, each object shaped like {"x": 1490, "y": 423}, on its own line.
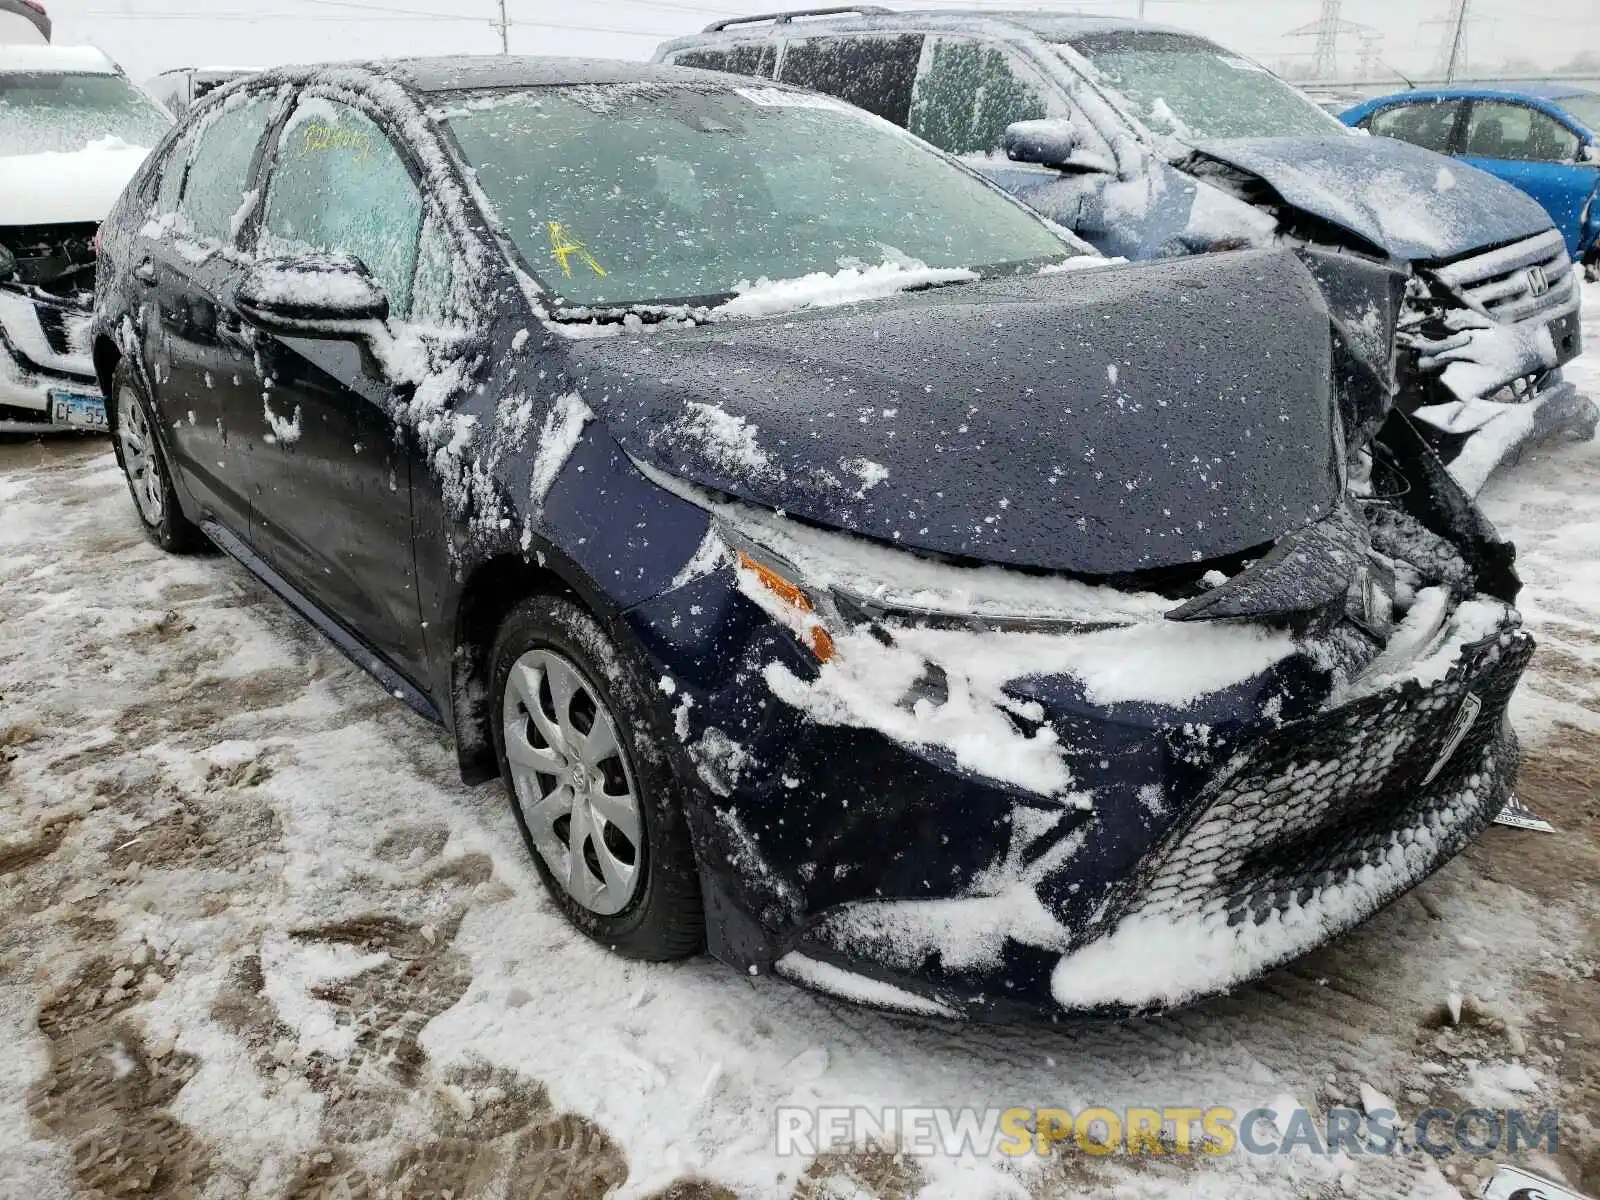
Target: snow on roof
{"x": 75, "y": 60}
{"x": 471, "y": 72}
{"x": 1050, "y": 26}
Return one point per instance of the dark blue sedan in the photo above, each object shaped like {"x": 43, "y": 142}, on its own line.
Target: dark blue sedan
{"x": 1542, "y": 138}
{"x": 838, "y": 577}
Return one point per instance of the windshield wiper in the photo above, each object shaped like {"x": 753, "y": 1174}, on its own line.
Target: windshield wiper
{"x": 645, "y": 314}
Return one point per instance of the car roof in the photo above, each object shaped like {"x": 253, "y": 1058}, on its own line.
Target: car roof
{"x": 1466, "y": 91}
{"x": 74, "y": 60}
{"x": 1046, "y": 25}
{"x": 463, "y": 73}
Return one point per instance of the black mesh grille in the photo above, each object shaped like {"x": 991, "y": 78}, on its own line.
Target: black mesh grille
{"x": 1311, "y": 806}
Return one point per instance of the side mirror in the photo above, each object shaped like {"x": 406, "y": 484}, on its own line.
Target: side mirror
{"x": 1589, "y": 154}
{"x": 1049, "y": 143}
{"x": 318, "y": 296}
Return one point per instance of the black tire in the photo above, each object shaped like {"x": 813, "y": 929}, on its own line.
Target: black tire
{"x": 665, "y": 918}
{"x": 169, "y": 528}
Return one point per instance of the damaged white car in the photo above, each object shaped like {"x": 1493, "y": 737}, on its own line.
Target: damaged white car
{"x": 73, "y": 130}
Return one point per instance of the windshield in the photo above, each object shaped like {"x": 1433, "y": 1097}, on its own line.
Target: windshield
{"x": 1195, "y": 90}
{"x": 47, "y": 111}
{"x": 630, "y": 195}
{"x": 1585, "y": 108}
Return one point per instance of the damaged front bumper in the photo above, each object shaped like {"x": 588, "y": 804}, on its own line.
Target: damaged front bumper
{"x": 1483, "y": 340}
{"x": 1300, "y": 836}
{"x": 1200, "y": 841}
{"x": 47, "y": 378}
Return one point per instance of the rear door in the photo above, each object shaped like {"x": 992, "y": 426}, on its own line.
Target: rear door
{"x": 877, "y": 72}
{"x": 332, "y": 472}
{"x": 1533, "y": 151}
{"x": 199, "y": 357}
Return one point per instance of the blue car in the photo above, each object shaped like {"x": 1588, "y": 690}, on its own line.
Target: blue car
{"x": 1542, "y": 138}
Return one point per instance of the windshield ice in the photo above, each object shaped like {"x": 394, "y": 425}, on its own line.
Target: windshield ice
{"x": 46, "y": 111}
{"x": 1585, "y": 108}
{"x": 630, "y": 195}
{"x": 1195, "y": 90}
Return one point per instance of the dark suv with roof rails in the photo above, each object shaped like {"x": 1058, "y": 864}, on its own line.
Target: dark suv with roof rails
{"x": 1452, "y": 292}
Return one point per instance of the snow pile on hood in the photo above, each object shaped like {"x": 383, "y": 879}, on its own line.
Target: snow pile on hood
{"x": 850, "y": 285}
{"x": 57, "y": 188}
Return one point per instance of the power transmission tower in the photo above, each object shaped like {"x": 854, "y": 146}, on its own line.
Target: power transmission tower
{"x": 1370, "y": 42}
{"x": 1326, "y": 29}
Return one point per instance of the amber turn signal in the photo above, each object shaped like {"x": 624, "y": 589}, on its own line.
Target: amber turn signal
{"x": 817, "y": 638}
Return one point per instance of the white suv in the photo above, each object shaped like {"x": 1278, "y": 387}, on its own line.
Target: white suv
{"x": 73, "y": 130}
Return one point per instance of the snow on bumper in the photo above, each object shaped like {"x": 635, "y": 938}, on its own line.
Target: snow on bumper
{"x": 1310, "y": 833}
{"x": 1301, "y": 835}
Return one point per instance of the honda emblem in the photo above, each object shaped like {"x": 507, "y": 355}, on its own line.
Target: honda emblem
{"x": 1538, "y": 281}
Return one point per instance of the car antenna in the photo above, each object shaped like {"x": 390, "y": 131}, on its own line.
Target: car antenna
{"x": 1403, "y": 78}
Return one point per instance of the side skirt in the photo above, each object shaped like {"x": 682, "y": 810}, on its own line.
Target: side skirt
{"x": 346, "y": 642}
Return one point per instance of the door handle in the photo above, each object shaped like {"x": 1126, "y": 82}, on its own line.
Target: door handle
{"x": 145, "y": 273}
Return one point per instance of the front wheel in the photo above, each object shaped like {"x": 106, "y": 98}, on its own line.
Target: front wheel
{"x": 596, "y": 798}
{"x": 145, "y": 466}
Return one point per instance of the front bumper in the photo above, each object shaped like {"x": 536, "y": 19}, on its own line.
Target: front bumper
{"x": 44, "y": 352}
{"x": 1222, "y": 841}
{"x": 1485, "y": 338}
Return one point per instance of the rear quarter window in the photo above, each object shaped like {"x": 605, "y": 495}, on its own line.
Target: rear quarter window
{"x": 746, "y": 58}
{"x": 874, "y": 73}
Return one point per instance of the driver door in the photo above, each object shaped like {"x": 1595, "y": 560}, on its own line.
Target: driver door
{"x": 331, "y": 509}
{"x": 968, "y": 91}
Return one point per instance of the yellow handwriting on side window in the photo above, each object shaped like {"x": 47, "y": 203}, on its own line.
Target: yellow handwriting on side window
{"x": 323, "y": 139}
{"x": 565, "y": 247}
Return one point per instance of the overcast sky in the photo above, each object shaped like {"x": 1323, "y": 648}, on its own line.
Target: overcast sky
{"x": 148, "y": 36}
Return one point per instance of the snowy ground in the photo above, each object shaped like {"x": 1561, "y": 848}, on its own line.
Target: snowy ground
{"x": 257, "y": 940}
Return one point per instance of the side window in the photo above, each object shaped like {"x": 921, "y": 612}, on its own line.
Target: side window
{"x": 171, "y": 189}
{"x": 1519, "y": 134}
{"x": 743, "y": 58}
{"x": 434, "y": 300}
{"x": 219, "y": 168}
{"x": 1428, "y": 124}
{"x": 874, "y": 73}
{"x": 970, "y": 92}
{"x": 340, "y": 186}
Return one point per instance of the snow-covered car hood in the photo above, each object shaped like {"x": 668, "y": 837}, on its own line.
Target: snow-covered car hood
{"x": 1417, "y": 205}
{"x": 62, "y": 189}
{"x": 1099, "y": 422}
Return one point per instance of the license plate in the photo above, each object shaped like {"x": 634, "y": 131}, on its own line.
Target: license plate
{"x": 78, "y": 410}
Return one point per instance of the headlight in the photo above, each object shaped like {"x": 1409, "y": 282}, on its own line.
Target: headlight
{"x": 824, "y": 584}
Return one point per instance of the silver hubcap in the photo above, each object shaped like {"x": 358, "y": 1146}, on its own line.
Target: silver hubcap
{"x": 573, "y": 781}
{"x": 139, "y": 457}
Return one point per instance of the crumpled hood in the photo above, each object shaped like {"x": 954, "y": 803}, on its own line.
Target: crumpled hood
{"x": 63, "y": 189}
{"x": 1097, "y": 422}
{"x": 1417, "y": 205}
